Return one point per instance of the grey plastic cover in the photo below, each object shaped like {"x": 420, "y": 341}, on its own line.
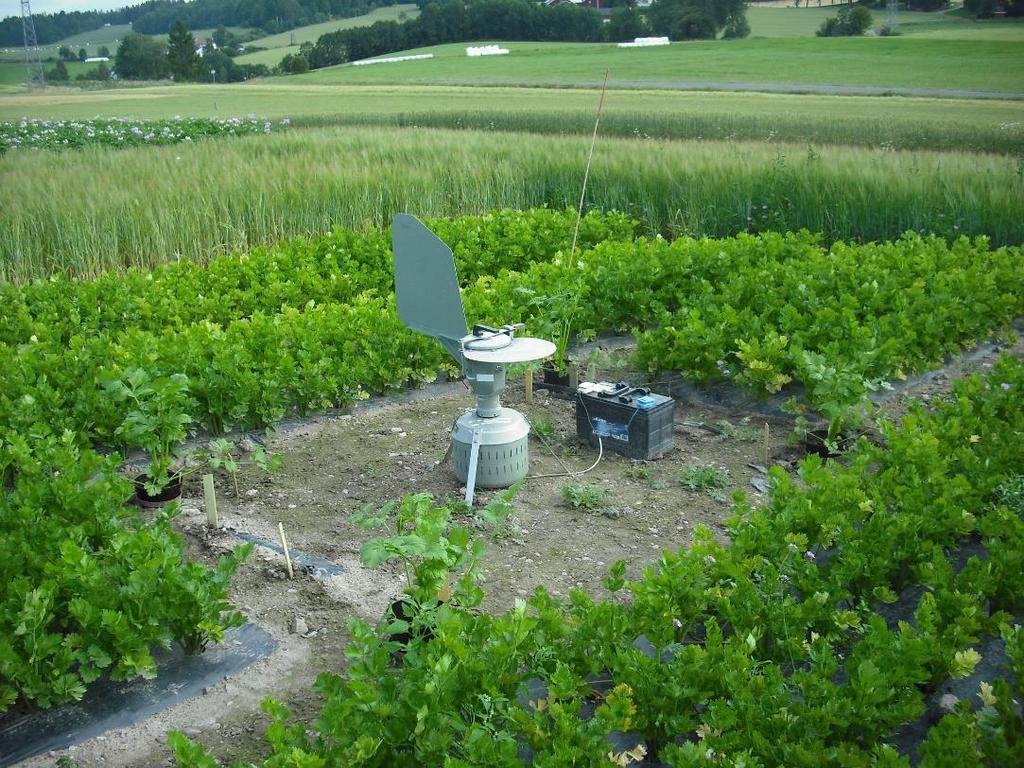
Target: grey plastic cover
{"x": 426, "y": 286}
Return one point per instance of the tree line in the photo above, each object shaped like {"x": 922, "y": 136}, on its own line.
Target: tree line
{"x": 157, "y": 17}
{"x": 271, "y": 16}
{"x": 453, "y": 21}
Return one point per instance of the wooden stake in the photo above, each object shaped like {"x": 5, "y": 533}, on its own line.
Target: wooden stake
{"x": 528, "y": 383}
{"x": 211, "y": 501}
{"x": 574, "y": 378}
{"x": 284, "y": 545}
{"x": 767, "y": 439}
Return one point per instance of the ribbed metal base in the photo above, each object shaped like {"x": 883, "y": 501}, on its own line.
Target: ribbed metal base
{"x": 503, "y": 458}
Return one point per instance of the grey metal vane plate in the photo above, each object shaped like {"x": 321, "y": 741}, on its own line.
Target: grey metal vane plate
{"x": 426, "y": 286}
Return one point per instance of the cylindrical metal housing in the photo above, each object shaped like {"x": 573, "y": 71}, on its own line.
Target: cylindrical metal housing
{"x": 503, "y": 458}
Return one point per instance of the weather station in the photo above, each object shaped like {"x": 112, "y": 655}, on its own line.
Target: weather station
{"x": 489, "y": 441}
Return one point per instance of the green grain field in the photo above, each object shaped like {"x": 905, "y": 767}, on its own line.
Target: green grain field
{"x": 191, "y": 201}
{"x": 988, "y": 125}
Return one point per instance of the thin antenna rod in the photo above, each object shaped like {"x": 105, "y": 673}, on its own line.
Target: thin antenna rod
{"x": 586, "y": 172}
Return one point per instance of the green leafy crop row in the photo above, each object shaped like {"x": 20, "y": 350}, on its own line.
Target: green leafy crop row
{"x": 334, "y": 269}
{"x": 819, "y": 636}
{"x": 766, "y": 310}
{"x": 87, "y": 587}
{"x": 311, "y": 323}
{"x": 296, "y": 328}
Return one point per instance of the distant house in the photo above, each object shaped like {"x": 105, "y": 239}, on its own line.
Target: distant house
{"x": 603, "y": 7}
{"x": 600, "y": 5}
{"x": 204, "y": 42}
{"x": 96, "y": 59}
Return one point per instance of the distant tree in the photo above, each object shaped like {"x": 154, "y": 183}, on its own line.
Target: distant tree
{"x": 455, "y": 20}
{"x": 65, "y": 53}
{"x": 82, "y": 54}
{"x": 695, "y": 19}
{"x": 984, "y": 9}
{"x": 431, "y": 25}
{"x": 225, "y": 70}
{"x": 736, "y": 27}
{"x": 140, "y": 57}
{"x": 330, "y": 49}
{"x": 294, "y": 64}
{"x": 222, "y": 38}
{"x": 182, "y": 59}
{"x": 217, "y": 66}
{"x": 59, "y": 74}
{"x": 852, "y": 21}
{"x": 980, "y": 8}
{"x": 103, "y": 51}
{"x": 249, "y": 71}
{"x": 101, "y": 72}
{"x": 626, "y": 24}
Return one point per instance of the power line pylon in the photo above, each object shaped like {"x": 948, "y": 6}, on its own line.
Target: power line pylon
{"x": 33, "y": 65}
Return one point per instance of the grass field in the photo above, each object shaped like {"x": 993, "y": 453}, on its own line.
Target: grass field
{"x": 986, "y": 125}
{"x": 881, "y": 62}
{"x": 313, "y": 32}
{"x": 13, "y": 73}
{"x": 804, "y": 22}
{"x": 265, "y": 188}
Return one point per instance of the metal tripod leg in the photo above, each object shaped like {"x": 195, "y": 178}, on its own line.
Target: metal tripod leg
{"x": 474, "y": 455}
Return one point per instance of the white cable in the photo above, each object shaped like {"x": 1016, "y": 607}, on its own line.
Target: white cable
{"x": 568, "y": 472}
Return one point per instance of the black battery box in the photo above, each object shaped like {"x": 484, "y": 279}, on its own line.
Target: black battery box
{"x": 631, "y": 421}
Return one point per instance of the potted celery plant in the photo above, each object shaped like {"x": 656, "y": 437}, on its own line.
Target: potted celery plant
{"x": 157, "y": 419}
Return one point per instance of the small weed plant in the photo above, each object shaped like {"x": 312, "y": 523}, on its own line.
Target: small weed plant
{"x": 638, "y": 471}
{"x": 696, "y": 477}
{"x": 586, "y": 496}
{"x": 543, "y": 428}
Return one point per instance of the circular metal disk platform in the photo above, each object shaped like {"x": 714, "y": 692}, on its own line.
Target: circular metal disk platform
{"x": 521, "y": 350}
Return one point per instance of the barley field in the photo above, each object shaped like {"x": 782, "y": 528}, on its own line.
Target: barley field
{"x": 153, "y": 204}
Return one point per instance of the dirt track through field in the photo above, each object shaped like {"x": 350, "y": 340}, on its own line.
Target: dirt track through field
{"x": 719, "y": 85}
